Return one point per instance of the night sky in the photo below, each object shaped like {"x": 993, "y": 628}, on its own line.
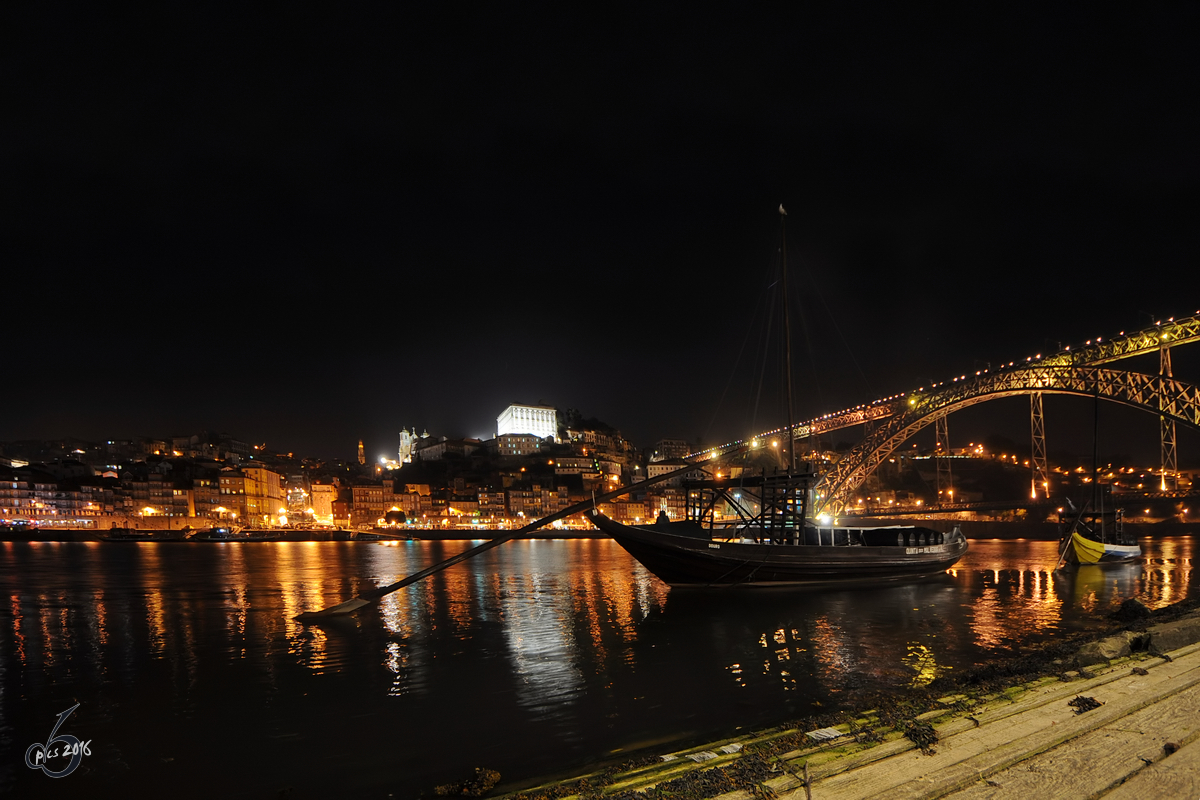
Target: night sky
{"x": 308, "y": 225}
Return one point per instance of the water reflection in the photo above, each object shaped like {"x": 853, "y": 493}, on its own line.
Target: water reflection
{"x": 541, "y": 645}
{"x": 563, "y": 649}
{"x": 923, "y": 662}
{"x": 1167, "y": 571}
{"x": 1014, "y": 602}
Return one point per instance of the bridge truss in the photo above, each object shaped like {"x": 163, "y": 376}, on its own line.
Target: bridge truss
{"x": 1174, "y": 400}
{"x": 1157, "y": 339}
{"x": 1069, "y": 371}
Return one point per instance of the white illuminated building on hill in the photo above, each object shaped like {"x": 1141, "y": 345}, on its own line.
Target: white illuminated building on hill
{"x": 409, "y": 443}
{"x": 541, "y": 421}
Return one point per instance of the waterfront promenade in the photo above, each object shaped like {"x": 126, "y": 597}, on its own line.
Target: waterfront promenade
{"x": 1137, "y": 736}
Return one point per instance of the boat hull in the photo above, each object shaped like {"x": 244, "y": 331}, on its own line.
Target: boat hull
{"x": 1083, "y": 550}
{"x": 697, "y": 561}
{"x": 143, "y": 535}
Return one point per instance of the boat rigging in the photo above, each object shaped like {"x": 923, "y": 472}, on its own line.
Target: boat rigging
{"x": 763, "y": 535}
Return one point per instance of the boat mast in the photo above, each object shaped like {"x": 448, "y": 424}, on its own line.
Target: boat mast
{"x": 1097, "y": 495}
{"x": 787, "y": 341}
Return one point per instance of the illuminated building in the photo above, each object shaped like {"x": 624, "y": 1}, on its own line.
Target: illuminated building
{"x": 672, "y": 501}
{"x": 436, "y": 451}
{"x": 629, "y": 512}
{"x": 367, "y": 505}
{"x": 206, "y": 497}
{"x": 253, "y": 493}
{"x": 539, "y": 421}
{"x": 609, "y": 467}
{"x": 576, "y": 466}
{"x": 665, "y": 449}
{"x": 517, "y": 444}
{"x": 298, "y": 496}
{"x": 536, "y": 502}
{"x": 341, "y": 508}
{"x": 525, "y": 502}
{"x": 16, "y": 498}
{"x": 409, "y": 442}
{"x": 232, "y": 488}
{"x": 611, "y": 444}
{"x": 264, "y": 494}
{"x": 24, "y": 497}
{"x": 151, "y": 490}
{"x": 663, "y": 467}
{"x": 463, "y": 505}
{"x": 322, "y": 496}
{"x": 492, "y": 504}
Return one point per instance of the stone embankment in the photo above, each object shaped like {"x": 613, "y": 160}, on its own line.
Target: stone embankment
{"x": 1117, "y": 718}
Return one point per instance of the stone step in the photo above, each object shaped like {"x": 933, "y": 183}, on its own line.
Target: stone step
{"x": 966, "y": 757}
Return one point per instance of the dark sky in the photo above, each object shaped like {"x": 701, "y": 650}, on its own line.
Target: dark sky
{"x": 309, "y": 225}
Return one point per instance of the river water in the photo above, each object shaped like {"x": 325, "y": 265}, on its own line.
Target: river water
{"x": 537, "y": 657}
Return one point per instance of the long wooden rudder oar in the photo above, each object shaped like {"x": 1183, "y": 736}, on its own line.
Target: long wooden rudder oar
{"x": 371, "y": 595}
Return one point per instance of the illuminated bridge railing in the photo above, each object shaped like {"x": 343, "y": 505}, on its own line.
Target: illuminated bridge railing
{"x": 1166, "y": 397}
{"x": 1171, "y": 332}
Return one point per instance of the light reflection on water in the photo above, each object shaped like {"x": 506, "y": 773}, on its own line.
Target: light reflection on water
{"x": 534, "y": 657}
{"x": 539, "y": 636}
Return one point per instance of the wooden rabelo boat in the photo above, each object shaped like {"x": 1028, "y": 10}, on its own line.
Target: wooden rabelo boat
{"x": 764, "y": 536}
{"x": 771, "y": 543}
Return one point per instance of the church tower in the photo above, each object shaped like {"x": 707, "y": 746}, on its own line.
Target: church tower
{"x": 408, "y": 443}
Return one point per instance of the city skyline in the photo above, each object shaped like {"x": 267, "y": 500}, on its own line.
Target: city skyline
{"x": 260, "y": 239}
{"x": 1120, "y": 433}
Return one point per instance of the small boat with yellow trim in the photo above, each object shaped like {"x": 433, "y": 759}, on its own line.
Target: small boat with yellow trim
{"x": 1100, "y": 539}
{"x": 1090, "y": 551}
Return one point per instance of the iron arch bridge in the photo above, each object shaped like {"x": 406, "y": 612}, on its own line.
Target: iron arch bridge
{"x": 1156, "y": 339}
{"x": 1161, "y": 395}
